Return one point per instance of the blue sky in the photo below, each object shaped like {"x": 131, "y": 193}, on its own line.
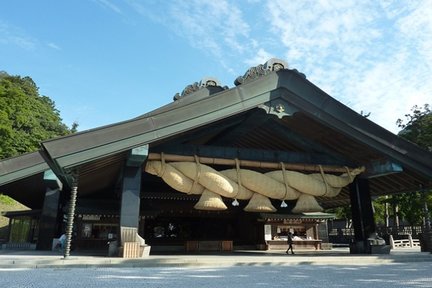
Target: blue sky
{"x": 105, "y": 61}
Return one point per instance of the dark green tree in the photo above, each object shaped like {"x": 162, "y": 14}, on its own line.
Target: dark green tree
{"x": 26, "y": 118}
{"x": 416, "y": 128}
{"x": 343, "y": 212}
{"x": 379, "y": 208}
{"x": 411, "y": 207}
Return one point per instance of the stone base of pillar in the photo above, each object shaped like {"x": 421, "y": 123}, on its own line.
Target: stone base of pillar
{"x": 358, "y": 247}
{"x": 380, "y": 249}
{"x": 426, "y": 241}
{"x": 365, "y": 247}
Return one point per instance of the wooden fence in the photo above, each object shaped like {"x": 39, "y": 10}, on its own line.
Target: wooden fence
{"x": 19, "y": 246}
{"x": 346, "y": 235}
{"x": 404, "y": 243}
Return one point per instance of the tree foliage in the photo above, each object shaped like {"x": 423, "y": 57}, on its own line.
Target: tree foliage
{"x": 418, "y": 126}
{"x": 411, "y": 206}
{"x": 342, "y": 212}
{"x": 379, "y": 208}
{"x": 26, "y": 118}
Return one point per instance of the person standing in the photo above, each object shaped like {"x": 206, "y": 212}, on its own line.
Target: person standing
{"x": 290, "y": 243}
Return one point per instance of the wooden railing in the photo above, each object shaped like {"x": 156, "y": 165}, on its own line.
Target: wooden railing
{"x": 346, "y": 235}
{"x": 19, "y": 246}
{"x": 404, "y": 243}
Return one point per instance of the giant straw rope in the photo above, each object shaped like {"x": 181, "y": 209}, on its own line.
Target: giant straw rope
{"x": 243, "y": 184}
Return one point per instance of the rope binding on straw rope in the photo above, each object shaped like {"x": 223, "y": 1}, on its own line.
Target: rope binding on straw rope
{"x": 348, "y": 171}
{"x": 324, "y": 180}
{"x": 235, "y": 202}
{"x": 283, "y": 204}
{"x": 163, "y": 165}
{"x": 197, "y": 174}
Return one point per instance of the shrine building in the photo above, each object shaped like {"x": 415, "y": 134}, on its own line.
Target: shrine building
{"x": 217, "y": 169}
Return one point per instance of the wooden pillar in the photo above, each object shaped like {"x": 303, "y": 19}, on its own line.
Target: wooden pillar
{"x": 130, "y": 199}
{"x": 260, "y": 237}
{"x": 48, "y": 227}
{"x": 362, "y": 216}
{"x": 9, "y": 230}
{"x": 323, "y": 232}
{"x": 131, "y": 188}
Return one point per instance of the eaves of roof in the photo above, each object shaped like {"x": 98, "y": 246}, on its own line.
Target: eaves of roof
{"x": 314, "y": 102}
{"x": 20, "y": 167}
{"x": 76, "y": 149}
{"x": 35, "y": 213}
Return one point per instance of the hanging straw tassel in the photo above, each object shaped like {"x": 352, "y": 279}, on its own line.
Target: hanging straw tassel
{"x": 259, "y": 203}
{"x": 306, "y": 203}
{"x": 210, "y": 201}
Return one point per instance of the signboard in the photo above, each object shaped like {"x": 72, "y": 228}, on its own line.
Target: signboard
{"x": 91, "y": 217}
{"x": 267, "y": 232}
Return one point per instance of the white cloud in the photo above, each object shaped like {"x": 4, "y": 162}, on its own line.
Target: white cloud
{"x": 373, "y": 58}
{"x": 109, "y": 5}
{"x": 416, "y": 28}
{"x": 260, "y": 57}
{"x": 53, "y": 46}
{"x": 401, "y": 78}
{"x": 11, "y": 35}
{"x": 212, "y": 25}
{"x": 216, "y": 27}
{"x": 315, "y": 32}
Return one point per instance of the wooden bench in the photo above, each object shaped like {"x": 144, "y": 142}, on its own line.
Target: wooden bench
{"x": 305, "y": 244}
{"x": 209, "y": 245}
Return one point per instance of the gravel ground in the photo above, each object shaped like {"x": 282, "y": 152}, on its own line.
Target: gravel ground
{"x": 386, "y": 275}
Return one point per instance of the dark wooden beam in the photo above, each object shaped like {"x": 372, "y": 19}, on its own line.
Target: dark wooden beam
{"x": 250, "y": 154}
{"x": 214, "y": 130}
{"x": 296, "y": 139}
{"x": 254, "y": 118}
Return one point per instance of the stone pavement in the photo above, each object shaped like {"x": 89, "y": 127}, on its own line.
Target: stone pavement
{"x": 337, "y": 256}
